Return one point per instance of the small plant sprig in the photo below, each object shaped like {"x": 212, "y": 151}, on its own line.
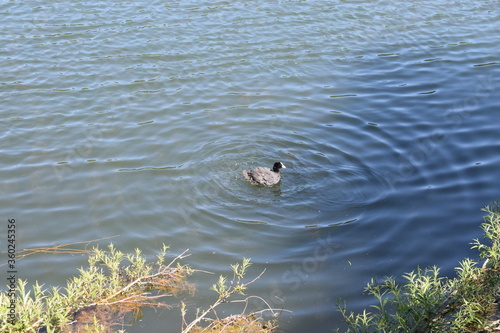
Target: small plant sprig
{"x": 236, "y": 286}
{"x": 225, "y": 290}
{"x": 491, "y": 228}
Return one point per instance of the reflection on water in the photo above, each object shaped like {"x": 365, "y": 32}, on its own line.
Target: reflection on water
{"x": 136, "y": 121}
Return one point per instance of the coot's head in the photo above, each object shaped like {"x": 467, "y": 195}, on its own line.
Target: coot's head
{"x": 277, "y": 166}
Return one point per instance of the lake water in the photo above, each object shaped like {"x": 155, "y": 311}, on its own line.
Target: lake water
{"x": 135, "y": 119}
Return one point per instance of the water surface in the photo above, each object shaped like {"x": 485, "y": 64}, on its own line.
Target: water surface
{"x": 135, "y": 120}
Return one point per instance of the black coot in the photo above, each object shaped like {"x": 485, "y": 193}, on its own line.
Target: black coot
{"x": 264, "y": 176}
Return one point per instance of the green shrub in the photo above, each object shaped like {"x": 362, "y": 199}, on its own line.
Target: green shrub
{"x": 427, "y": 302}
{"x": 117, "y": 285}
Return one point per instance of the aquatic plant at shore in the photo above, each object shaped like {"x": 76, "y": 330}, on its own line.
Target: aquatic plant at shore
{"x": 116, "y": 286}
{"x": 428, "y": 302}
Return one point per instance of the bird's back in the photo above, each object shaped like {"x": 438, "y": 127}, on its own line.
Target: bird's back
{"x": 262, "y": 175}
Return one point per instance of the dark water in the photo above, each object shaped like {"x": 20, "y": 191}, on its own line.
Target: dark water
{"x": 135, "y": 120}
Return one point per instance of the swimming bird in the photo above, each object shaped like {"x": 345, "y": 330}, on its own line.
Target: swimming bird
{"x": 264, "y": 176}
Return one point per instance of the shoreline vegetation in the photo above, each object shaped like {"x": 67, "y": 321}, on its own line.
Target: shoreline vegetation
{"x": 428, "y": 302}
{"x": 115, "y": 286}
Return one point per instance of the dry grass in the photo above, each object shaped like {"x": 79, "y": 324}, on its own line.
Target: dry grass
{"x": 238, "y": 323}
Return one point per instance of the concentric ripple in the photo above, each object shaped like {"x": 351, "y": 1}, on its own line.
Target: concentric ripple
{"x": 322, "y": 185}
